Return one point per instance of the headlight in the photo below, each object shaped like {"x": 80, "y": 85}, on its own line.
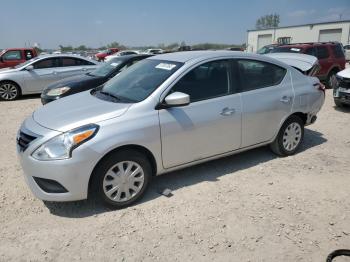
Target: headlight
{"x": 58, "y": 91}
{"x": 61, "y": 146}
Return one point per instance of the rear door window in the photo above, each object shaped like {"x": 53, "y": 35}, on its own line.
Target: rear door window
{"x": 310, "y": 51}
{"x": 322, "y": 52}
{"x": 337, "y": 51}
{"x": 257, "y": 74}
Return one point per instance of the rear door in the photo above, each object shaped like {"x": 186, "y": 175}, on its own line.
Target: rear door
{"x": 325, "y": 60}
{"x": 71, "y": 66}
{"x": 210, "y": 124}
{"x": 267, "y": 98}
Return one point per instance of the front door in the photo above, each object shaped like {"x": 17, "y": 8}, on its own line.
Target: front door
{"x": 45, "y": 72}
{"x": 210, "y": 124}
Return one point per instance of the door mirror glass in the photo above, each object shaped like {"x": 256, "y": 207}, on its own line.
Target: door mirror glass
{"x": 177, "y": 99}
{"x": 29, "y": 68}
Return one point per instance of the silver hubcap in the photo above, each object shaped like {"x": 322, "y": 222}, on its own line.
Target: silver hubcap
{"x": 8, "y": 91}
{"x": 123, "y": 181}
{"x": 292, "y": 136}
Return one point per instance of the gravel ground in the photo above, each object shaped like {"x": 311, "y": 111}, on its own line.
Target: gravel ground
{"x": 249, "y": 207}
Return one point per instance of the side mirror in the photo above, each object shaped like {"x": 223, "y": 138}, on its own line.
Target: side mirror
{"x": 29, "y": 68}
{"x": 177, "y": 99}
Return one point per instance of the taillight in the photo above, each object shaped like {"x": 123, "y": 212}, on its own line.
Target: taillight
{"x": 320, "y": 87}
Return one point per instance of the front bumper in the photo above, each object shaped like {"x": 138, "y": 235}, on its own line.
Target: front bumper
{"x": 47, "y": 99}
{"x": 73, "y": 174}
{"x": 341, "y": 96}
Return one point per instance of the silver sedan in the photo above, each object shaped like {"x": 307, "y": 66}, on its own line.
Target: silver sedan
{"x": 34, "y": 75}
{"x": 165, "y": 113}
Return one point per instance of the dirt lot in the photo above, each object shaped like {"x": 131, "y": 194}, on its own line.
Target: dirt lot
{"x": 250, "y": 207}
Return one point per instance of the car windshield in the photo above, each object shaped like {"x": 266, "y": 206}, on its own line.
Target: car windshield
{"x": 140, "y": 80}
{"x": 26, "y": 63}
{"x": 286, "y": 49}
{"x": 107, "y": 68}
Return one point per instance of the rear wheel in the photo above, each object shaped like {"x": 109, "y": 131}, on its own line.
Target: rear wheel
{"x": 122, "y": 178}
{"x": 289, "y": 137}
{"x": 9, "y": 91}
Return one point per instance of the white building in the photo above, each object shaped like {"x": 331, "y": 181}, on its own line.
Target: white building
{"x": 321, "y": 32}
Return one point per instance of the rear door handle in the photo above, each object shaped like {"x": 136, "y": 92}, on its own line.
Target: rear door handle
{"x": 54, "y": 72}
{"x": 285, "y": 99}
{"x": 227, "y": 111}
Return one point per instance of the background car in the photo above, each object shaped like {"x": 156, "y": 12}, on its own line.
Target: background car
{"x": 103, "y": 54}
{"x": 154, "y": 51}
{"x": 15, "y": 56}
{"x": 341, "y": 93}
{"x": 330, "y": 57}
{"x": 121, "y": 53}
{"x": 347, "y": 52}
{"x": 34, "y": 75}
{"x": 267, "y": 49}
{"x": 164, "y": 113}
{"x": 89, "y": 80}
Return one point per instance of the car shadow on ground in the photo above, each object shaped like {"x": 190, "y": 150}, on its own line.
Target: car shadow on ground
{"x": 209, "y": 171}
{"x": 343, "y": 109}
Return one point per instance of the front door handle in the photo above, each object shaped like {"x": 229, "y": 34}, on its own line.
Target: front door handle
{"x": 285, "y": 99}
{"x": 227, "y": 111}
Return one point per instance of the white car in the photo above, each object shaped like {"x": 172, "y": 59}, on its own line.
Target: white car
{"x": 347, "y": 52}
{"x": 121, "y": 53}
{"x": 154, "y": 51}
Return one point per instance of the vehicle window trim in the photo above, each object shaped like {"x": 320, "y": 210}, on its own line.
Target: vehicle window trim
{"x": 46, "y": 58}
{"x": 262, "y": 87}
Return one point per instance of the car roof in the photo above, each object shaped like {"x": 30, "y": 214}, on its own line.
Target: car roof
{"x": 186, "y": 56}
{"x": 66, "y": 55}
{"x": 128, "y": 57}
{"x": 21, "y": 48}
{"x": 309, "y": 44}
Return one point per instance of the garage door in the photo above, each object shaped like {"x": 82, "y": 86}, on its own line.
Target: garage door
{"x": 264, "y": 40}
{"x": 330, "y": 35}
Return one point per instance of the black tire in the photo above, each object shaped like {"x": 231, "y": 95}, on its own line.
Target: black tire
{"x": 107, "y": 163}
{"x": 277, "y": 145}
{"x": 338, "y": 103}
{"x": 5, "y": 96}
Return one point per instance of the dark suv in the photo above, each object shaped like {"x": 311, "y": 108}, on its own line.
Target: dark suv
{"x": 330, "y": 56}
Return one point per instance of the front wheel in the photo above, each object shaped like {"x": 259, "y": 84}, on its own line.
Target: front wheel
{"x": 122, "y": 178}
{"x": 289, "y": 137}
{"x": 9, "y": 91}
{"x": 332, "y": 80}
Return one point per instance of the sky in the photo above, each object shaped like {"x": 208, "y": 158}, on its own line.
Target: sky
{"x": 138, "y": 23}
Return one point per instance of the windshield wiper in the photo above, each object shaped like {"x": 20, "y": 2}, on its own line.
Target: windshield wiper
{"x": 110, "y": 95}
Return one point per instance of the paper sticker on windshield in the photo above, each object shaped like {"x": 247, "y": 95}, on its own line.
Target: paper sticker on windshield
{"x": 165, "y": 66}
{"x": 114, "y": 64}
{"x": 295, "y": 49}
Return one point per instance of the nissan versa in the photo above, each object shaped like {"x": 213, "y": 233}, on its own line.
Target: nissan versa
{"x": 165, "y": 113}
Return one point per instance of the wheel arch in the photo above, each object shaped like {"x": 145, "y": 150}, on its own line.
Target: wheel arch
{"x": 13, "y": 82}
{"x": 149, "y": 155}
{"x": 301, "y": 115}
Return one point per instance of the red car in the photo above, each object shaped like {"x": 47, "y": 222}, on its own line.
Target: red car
{"x": 330, "y": 57}
{"x": 102, "y": 55}
{"x": 14, "y": 56}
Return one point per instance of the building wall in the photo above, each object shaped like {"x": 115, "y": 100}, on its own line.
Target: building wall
{"x": 298, "y": 34}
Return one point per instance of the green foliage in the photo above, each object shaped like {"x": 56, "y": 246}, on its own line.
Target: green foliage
{"x": 268, "y": 21}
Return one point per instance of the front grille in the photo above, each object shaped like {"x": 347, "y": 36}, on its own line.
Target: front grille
{"x": 344, "y": 82}
{"x": 24, "y": 140}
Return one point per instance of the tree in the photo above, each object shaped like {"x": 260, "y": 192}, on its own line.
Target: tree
{"x": 66, "y": 48}
{"x": 268, "y": 21}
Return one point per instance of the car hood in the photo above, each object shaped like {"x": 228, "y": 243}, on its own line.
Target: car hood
{"x": 74, "y": 81}
{"x": 77, "y": 110}
{"x": 344, "y": 73}
{"x": 300, "y": 61}
{"x": 8, "y": 70}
